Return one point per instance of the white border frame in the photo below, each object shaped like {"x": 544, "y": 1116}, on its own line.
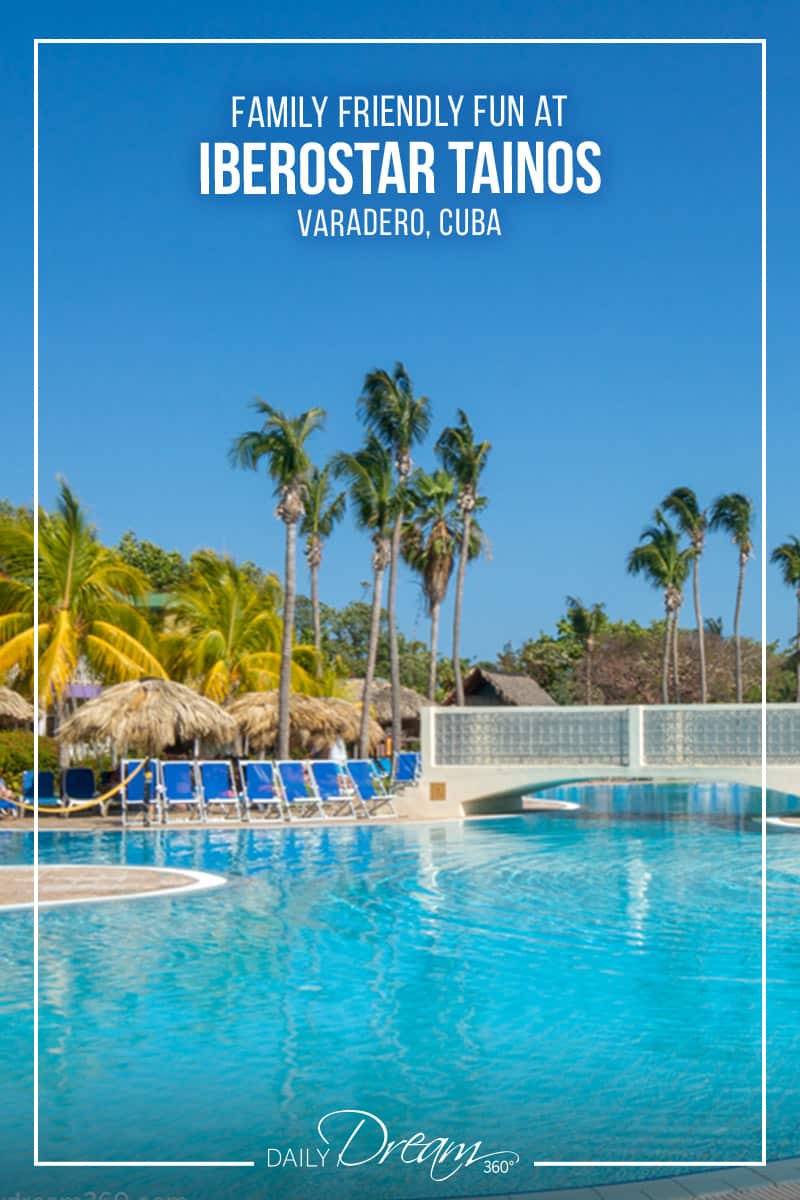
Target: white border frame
{"x": 410, "y": 41}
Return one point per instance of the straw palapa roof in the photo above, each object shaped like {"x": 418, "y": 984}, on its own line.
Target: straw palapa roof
{"x": 315, "y": 721}
{"x": 380, "y": 700}
{"x": 505, "y": 687}
{"x": 149, "y": 715}
{"x": 14, "y": 709}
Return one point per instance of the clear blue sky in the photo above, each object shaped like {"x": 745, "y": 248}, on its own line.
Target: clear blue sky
{"x": 607, "y": 346}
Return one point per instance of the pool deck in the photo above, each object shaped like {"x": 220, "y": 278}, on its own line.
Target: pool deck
{"x": 775, "y": 1181}
{"x": 59, "y": 885}
{"x": 94, "y": 821}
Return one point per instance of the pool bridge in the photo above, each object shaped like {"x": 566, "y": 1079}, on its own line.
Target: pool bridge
{"x": 483, "y": 760}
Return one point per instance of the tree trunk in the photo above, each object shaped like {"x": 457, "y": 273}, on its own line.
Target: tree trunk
{"x": 462, "y": 568}
{"x": 665, "y": 658}
{"x": 372, "y": 652}
{"x": 315, "y": 618}
{"x": 701, "y": 640}
{"x": 737, "y": 641}
{"x": 797, "y": 664}
{"x": 588, "y": 675}
{"x": 433, "y": 648}
{"x": 63, "y": 749}
{"x": 675, "y": 649}
{"x": 394, "y": 653}
{"x": 285, "y": 685}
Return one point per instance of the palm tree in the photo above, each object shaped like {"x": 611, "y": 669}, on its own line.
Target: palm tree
{"x": 665, "y": 565}
{"x": 465, "y": 459}
{"x": 368, "y": 473}
{"x": 281, "y": 440}
{"x": 323, "y": 513}
{"x": 399, "y": 419}
{"x": 733, "y": 513}
{"x": 224, "y": 632}
{"x": 693, "y": 521}
{"x": 429, "y": 544}
{"x": 585, "y": 623}
{"x": 88, "y": 604}
{"x": 787, "y": 557}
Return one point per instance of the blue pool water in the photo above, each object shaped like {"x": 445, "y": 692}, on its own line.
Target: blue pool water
{"x": 565, "y": 986}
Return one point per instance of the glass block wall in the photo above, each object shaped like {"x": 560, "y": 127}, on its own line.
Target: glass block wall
{"x": 783, "y": 734}
{"x": 702, "y": 735}
{"x": 637, "y": 737}
{"x": 509, "y": 735}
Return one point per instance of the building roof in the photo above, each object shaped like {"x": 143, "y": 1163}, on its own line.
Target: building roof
{"x": 511, "y": 689}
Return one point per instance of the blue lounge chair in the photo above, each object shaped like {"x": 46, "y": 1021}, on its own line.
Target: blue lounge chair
{"x": 296, "y": 793}
{"x": 384, "y": 765}
{"x": 258, "y": 789}
{"x": 370, "y": 788}
{"x": 78, "y": 785}
{"x": 47, "y": 789}
{"x": 328, "y": 781}
{"x": 179, "y": 790}
{"x": 132, "y": 790}
{"x": 218, "y": 785}
{"x": 406, "y": 768}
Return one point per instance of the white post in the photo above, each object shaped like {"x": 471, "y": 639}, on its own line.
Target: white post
{"x": 427, "y": 740}
{"x": 635, "y": 738}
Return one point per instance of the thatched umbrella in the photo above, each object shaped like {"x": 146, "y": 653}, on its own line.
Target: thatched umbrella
{"x": 14, "y": 709}
{"x": 381, "y": 702}
{"x": 149, "y": 715}
{"x": 315, "y": 722}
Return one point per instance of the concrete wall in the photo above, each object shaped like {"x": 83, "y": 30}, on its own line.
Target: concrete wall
{"x": 485, "y": 759}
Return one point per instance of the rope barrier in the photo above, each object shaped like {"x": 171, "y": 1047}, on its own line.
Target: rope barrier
{"x": 73, "y": 808}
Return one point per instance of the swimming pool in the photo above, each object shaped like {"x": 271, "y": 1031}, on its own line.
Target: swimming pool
{"x": 581, "y": 985}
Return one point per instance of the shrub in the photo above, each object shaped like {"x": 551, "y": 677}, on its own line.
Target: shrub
{"x": 16, "y": 755}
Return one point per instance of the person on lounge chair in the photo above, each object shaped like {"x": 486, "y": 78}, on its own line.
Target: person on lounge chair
{"x": 8, "y": 807}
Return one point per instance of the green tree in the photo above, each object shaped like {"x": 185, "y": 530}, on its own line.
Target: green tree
{"x": 323, "y": 512}
{"x": 586, "y": 624}
{"x": 164, "y": 569}
{"x": 225, "y": 633}
{"x": 429, "y": 542}
{"x": 692, "y": 520}
{"x": 368, "y": 474}
{"x": 87, "y": 604}
{"x": 400, "y": 420}
{"x": 733, "y": 514}
{"x": 281, "y": 442}
{"x": 465, "y": 459}
{"x": 787, "y": 558}
{"x": 660, "y": 559}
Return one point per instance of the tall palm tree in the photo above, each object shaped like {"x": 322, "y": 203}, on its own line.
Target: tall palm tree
{"x": 733, "y": 514}
{"x": 430, "y": 540}
{"x": 465, "y": 459}
{"x": 787, "y": 557}
{"x": 88, "y": 604}
{"x": 224, "y": 632}
{"x": 281, "y": 440}
{"x": 400, "y": 420}
{"x": 373, "y": 500}
{"x": 323, "y": 513}
{"x": 665, "y": 565}
{"x": 692, "y": 520}
{"x": 585, "y": 624}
